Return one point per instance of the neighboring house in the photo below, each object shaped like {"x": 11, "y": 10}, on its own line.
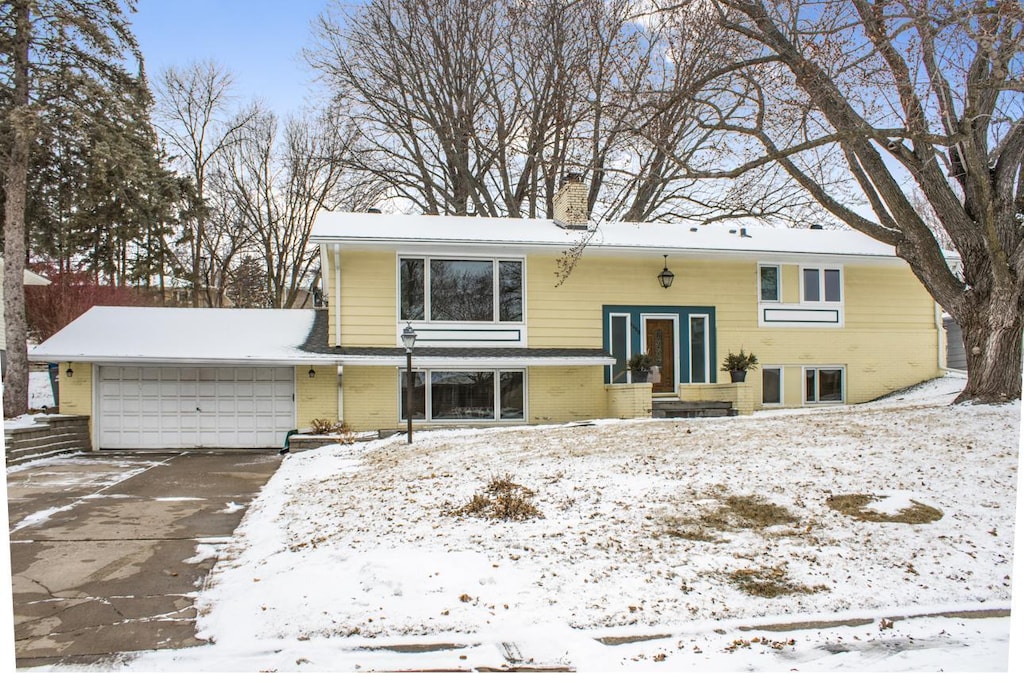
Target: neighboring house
{"x": 503, "y": 338}
{"x": 30, "y": 278}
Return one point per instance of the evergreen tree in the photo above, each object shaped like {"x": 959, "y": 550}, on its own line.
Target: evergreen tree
{"x": 77, "y": 154}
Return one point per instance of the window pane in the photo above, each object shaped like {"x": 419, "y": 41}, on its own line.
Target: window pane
{"x": 411, "y": 273}
{"x": 771, "y": 385}
{"x": 419, "y": 396}
{"x": 510, "y": 287}
{"x": 832, "y": 285}
{"x": 462, "y": 395}
{"x": 698, "y": 349}
{"x": 511, "y": 395}
{"x": 461, "y": 290}
{"x": 620, "y": 347}
{"x": 809, "y": 386}
{"x": 830, "y": 385}
{"x": 812, "y": 286}
{"x": 769, "y": 283}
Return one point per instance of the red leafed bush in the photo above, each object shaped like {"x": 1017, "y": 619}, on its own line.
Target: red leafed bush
{"x": 49, "y": 308}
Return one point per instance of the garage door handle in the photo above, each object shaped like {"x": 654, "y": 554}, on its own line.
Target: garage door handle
{"x": 198, "y": 409}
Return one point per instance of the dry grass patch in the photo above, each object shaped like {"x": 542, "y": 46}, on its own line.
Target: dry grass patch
{"x": 856, "y": 505}
{"x": 769, "y": 582}
{"x": 501, "y": 498}
{"x": 733, "y": 513}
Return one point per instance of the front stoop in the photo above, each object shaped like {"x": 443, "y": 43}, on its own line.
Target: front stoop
{"x": 675, "y": 408}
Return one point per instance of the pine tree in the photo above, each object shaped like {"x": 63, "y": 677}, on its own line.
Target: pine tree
{"x": 70, "y": 84}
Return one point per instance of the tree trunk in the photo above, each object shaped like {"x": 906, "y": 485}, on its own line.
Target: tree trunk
{"x": 15, "y": 188}
{"x": 993, "y": 342}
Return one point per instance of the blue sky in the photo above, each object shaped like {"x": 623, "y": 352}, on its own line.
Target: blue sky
{"x": 259, "y": 41}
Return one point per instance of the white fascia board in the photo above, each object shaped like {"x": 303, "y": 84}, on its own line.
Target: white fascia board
{"x": 312, "y": 359}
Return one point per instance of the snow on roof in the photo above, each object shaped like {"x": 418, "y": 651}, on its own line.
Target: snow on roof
{"x": 123, "y": 334}
{"x": 540, "y": 234}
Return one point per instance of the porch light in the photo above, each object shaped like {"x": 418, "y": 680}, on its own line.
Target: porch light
{"x": 312, "y": 372}
{"x": 666, "y": 276}
{"x": 69, "y": 373}
{"x": 408, "y": 341}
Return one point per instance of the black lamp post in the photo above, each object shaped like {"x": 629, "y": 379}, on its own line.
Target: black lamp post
{"x": 666, "y": 276}
{"x": 408, "y": 341}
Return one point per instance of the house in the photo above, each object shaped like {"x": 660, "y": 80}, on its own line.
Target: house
{"x": 517, "y": 321}
{"x": 30, "y": 279}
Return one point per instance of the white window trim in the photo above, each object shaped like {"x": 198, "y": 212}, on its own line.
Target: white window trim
{"x": 461, "y": 333}
{"x": 817, "y": 384}
{"x": 629, "y": 344}
{"x": 821, "y": 268}
{"x": 778, "y": 282}
{"x": 806, "y": 314}
{"x": 782, "y": 384}
{"x": 427, "y": 390}
{"x": 707, "y": 346}
{"x": 495, "y": 287}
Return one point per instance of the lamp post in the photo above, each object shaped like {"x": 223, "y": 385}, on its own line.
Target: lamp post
{"x": 408, "y": 341}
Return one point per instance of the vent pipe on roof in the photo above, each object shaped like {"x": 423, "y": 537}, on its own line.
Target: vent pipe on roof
{"x": 743, "y": 233}
{"x": 373, "y": 210}
{"x": 816, "y": 226}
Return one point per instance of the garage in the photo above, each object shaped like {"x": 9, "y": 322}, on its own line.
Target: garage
{"x": 186, "y": 407}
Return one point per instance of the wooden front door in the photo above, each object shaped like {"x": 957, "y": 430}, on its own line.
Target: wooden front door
{"x": 661, "y": 346}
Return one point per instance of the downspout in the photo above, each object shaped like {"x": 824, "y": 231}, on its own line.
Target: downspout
{"x": 940, "y": 333}
{"x": 337, "y": 295}
{"x": 337, "y": 326}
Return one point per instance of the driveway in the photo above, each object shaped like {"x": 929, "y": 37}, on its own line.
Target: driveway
{"x": 109, "y": 549}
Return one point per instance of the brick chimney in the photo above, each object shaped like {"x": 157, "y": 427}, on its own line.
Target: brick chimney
{"x": 570, "y": 203}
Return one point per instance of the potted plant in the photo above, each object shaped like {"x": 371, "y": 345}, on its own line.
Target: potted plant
{"x": 639, "y": 367}
{"x": 738, "y": 363}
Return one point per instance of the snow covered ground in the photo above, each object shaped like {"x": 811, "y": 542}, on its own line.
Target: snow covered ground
{"x": 662, "y": 544}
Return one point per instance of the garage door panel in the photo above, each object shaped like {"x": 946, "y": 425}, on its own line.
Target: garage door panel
{"x": 160, "y": 407}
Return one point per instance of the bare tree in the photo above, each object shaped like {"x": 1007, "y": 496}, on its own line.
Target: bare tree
{"x": 277, "y": 184}
{"x": 192, "y": 106}
{"x": 481, "y": 106}
{"x": 865, "y": 104}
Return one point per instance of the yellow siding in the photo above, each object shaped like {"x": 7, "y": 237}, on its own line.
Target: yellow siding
{"x": 327, "y": 273}
{"x": 790, "y": 276}
{"x": 740, "y": 394}
{"x": 317, "y": 398}
{"x": 76, "y": 391}
{"x": 626, "y": 401}
{"x": 566, "y": 394}
{"x": 370, "y": 397}
{"x": 369, "y": 299}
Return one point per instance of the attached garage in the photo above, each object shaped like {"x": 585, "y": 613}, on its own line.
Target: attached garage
{"x": 183, "y": 378}
{"x": 183, "y": 407}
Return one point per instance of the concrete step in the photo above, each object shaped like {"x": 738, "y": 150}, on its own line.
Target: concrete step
{"x": 689, "y": 409}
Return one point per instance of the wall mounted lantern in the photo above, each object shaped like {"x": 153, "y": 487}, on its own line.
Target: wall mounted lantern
{"x": 312, "y": 372}
{"x": 408, "y": 341}
{"x": 666, "y": 276}
{"x": 69, "y": 373}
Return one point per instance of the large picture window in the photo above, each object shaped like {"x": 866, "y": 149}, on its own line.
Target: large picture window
{"x": 467, "y": 395}
{"x": 463, "y": 290}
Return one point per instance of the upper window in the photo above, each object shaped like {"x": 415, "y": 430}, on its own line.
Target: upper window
{"x": 822, "y": 284}
{"x": 448, "y": 289}
{"x": 769, "y": 280}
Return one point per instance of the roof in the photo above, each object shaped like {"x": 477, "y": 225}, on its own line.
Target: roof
{"x": 747, "y": 237}
{"x": 123, "y": 334}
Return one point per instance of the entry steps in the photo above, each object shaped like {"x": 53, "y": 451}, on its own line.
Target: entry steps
{"x": 673, "y": 407}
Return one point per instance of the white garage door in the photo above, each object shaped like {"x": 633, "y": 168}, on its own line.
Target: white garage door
{"x": 185, "y": 407}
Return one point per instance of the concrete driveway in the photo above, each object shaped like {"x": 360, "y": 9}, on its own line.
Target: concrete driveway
{"x": 109, "y": 549}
